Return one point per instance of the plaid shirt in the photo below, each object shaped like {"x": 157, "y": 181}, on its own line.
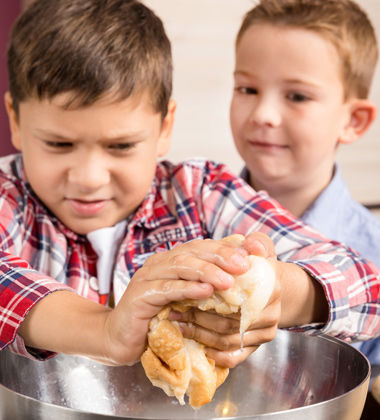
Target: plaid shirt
{"x": 195, "y": 199}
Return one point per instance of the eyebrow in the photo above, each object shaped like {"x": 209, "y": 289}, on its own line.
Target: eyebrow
{"x": 294, "y": 81}
{"x": 130, "y": 137}
{"x": 242, "y": 73}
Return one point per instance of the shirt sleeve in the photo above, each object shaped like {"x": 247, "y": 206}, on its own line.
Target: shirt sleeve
{"x": 351, "y": 283}
{"x": 21, "y": 287}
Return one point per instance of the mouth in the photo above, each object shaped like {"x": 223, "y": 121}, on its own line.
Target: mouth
{"x": 87, "y": 207}
{"x": 266, "y": 145}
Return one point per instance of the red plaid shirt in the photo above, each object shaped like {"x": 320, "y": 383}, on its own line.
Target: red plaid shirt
{"x": 195, "y": 199}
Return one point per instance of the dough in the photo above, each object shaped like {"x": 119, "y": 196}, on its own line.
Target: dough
{"x": 180, "y": 366}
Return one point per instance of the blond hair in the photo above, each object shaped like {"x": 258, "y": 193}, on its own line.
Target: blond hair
{"x": 341, "y": 22}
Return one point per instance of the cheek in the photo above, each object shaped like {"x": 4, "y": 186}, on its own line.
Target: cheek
{"x": 305, "y": 128}
{"x": 321, "y": 133}
{"x": 43, "y": 172}
{"x": 237, "y": 117}
{"x": 313, "y": 148}
{"x": 136, "y": 177}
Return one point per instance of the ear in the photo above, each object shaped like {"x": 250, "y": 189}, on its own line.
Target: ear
{"x": 166, "y": 130}
{"x": 362, "y": 113}
{"x": 13, "y": 121}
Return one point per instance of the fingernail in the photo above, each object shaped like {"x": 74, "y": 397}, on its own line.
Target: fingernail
{"x": 204, "y": 285}
{"x": 174, "y": 316}
{"x": 225, "y": 278}
{"x": 242, "y": 251}
{"x": 261, "y": 248}
{"x": 182, "y": 326}
{"x": 240, "y": 261}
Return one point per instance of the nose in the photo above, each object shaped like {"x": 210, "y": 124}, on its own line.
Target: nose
{"x": 89, "y": 172}
{"x": 265, "y": 111}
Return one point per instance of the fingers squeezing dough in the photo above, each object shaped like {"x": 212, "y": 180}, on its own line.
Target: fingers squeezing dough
{"x": 180, "y": 366}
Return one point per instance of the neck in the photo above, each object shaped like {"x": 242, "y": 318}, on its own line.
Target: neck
{"x": 297, "y": 199}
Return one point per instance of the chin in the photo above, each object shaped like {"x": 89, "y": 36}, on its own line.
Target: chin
{"x": 83, "y": 228}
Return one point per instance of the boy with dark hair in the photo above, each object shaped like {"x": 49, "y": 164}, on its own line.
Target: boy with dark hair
{"x": 86, "y": 207}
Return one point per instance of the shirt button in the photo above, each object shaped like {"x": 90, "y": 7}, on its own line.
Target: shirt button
{"x": 94, "y": 283}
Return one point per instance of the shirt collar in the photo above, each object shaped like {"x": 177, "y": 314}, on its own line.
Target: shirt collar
{"x": 244, "y": 174}
{"x": 335, "y": 194}
{"x": 319, "y": 213}
{"x": 153, "y": 211}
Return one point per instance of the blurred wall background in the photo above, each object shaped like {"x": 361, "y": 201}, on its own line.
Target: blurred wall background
{"x": 202, "y": 34}
{"x": 9, "y": 9}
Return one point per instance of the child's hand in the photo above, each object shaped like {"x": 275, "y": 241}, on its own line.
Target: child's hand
{"x": 221, "y": 333}
{"x": 297, "y": 299}
{"x": 189, "y": 271}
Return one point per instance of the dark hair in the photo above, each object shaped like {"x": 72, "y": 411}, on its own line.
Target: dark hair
{"x": 92, "y": 49}
{"x": 342, "y": 22}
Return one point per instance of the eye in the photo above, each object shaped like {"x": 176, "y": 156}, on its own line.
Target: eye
{"x": 122, "y": 146}
{"x": 246, "y": 90}
{"x": 297, "y": 97}
{"x": 58, "y": 144}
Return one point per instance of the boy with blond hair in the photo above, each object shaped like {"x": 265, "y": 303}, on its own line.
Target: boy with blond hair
{"x": 302, "y": 78}
{"x": 88, "y": 216}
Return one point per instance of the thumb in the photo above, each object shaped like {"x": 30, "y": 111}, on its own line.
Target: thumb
{"x": 260, "y": 244}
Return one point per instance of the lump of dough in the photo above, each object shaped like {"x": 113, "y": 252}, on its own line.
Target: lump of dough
{"x": 180, "y": 366}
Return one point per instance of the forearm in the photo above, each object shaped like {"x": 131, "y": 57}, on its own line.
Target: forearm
{"x": 66, "y": 323}
{"x": 303, "y": 300}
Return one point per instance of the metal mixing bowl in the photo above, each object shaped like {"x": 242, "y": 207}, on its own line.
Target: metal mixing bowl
{"x": 296, "y": 376}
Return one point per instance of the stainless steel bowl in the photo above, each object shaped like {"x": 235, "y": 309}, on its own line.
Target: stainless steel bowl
{"x": 296, "y": 376}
